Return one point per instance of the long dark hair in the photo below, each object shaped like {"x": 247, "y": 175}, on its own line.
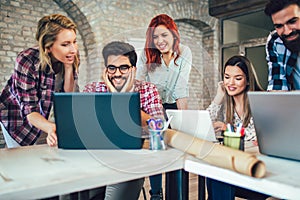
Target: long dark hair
{"x": 252, "y": 85}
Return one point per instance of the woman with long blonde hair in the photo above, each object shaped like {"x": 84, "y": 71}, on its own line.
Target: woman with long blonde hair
{"x": 51, "y": 66}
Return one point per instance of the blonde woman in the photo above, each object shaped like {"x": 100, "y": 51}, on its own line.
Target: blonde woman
{"x": 52, "y": 65}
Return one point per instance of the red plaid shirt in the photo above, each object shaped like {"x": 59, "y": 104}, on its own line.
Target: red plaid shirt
{"x": 28, "y": 90}
{"x": 149, "y": 97}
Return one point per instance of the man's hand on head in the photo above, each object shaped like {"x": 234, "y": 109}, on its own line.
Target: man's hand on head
{"x": 110, "y": 87}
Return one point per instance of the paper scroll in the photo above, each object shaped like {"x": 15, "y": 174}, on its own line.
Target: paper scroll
{"x": 216, "y": 154}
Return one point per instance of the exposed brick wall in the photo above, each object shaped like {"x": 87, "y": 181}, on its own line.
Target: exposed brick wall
{"x": 101, "y": 21}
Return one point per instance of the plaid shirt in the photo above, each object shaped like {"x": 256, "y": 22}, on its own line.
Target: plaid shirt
{"x": 281, "y": 64}
{"x": 149, "y": 97}
{"x": 28, "y": 90}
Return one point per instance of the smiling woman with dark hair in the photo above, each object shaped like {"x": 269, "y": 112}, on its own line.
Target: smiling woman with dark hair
{"x": 231, "y": 105}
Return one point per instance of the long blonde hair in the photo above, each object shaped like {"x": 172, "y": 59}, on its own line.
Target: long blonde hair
{"x": 47, "y": 30}
{"x": 252, "y": 85}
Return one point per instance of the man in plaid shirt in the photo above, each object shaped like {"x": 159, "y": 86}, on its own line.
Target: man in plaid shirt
{"x": 283, "y": 45}
{"x": 119, "y": 76}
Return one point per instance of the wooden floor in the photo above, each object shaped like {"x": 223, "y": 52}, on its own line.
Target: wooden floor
{"x": 193, "y": 187}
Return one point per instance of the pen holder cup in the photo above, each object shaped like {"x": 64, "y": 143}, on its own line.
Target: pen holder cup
{"x": 156, "y": 140}
{"x": 234, "y": 141}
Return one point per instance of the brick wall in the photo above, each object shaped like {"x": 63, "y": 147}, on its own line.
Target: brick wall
{"x": 101, "y": 21}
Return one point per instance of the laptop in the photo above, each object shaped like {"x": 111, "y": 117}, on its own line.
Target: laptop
{"x": 194, "y": 122}
{"x": 276, "y": 117}
{"x": 98, "y": 120}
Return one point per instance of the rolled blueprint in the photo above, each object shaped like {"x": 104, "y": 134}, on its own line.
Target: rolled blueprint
{"x": 216, "y": 154}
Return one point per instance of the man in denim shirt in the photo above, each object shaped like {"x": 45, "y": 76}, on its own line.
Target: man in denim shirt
{"x": 283, "y": 45}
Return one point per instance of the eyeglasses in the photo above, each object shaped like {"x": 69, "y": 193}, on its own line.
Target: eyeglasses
{"x": 111, "y": 69}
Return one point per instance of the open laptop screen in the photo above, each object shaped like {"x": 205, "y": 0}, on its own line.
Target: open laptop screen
{"x": 193, "y": 122}
{"x": 98, "y": 120}
{"x": 276, "y": 117}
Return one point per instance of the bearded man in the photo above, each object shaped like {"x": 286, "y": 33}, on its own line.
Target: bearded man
{"x": 119, "y": 76}
{"x": 283, "y": 45}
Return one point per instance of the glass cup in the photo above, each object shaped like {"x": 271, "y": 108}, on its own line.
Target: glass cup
{"x": 156, "y": 128}
{"x": 233, "y": 140}
{"x": 156, "y": 140}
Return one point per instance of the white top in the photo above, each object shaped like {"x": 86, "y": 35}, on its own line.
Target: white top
{"x": 171, "y": 81}
{"x": 217, "y": 113}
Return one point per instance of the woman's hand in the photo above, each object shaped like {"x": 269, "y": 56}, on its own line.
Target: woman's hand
{"x": 219, "y": 98}
{"x": 219, "y": 126}
{"x": 39, "y": 121}
{"x": 52, "y": 138}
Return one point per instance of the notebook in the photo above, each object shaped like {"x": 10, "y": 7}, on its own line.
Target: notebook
{"x": 195, "y": 122}
{"x": 98, "y": 120}
{"x": 276, "y": 117}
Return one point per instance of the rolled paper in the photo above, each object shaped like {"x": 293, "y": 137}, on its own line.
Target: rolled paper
{"x": 216, "y": 154}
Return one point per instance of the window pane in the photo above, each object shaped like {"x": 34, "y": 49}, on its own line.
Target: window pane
{"x": 245, "y": 27}
{"x": 257, "y": 56}
{"x": 229, "y": 52}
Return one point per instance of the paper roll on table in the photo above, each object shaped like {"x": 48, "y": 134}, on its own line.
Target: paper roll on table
{"x": 216, "y": 154}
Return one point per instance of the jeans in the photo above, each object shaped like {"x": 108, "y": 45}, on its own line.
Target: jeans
{"x": 126, "y": 190}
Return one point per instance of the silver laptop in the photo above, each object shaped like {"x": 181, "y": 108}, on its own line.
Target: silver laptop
{"x": 194, "y": 122}
{"x": 98, "y": 120}
{"x": 276, "y": 118}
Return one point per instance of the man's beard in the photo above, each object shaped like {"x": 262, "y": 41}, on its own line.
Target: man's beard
{"x": 118, "y": 88}
{"x": 292, "y": 45}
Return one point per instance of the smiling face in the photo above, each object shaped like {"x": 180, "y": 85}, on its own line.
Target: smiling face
{"x": 163, "y": 39}
{"x": 65, "y": 48}
{"x": 287, "y": 25}
{"x": 118, "y": 80}
{"x": 235, "y": 80}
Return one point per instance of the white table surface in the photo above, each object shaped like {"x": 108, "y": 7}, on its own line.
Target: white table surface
{"x": 41, "y": 171}
{"x": 282, "y": 179}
